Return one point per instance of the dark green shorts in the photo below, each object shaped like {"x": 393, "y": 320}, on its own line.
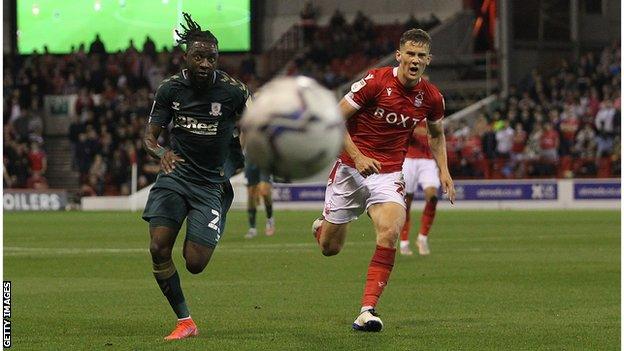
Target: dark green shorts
{"x": 254, "y": 175}
{"x": 204, "y": 207}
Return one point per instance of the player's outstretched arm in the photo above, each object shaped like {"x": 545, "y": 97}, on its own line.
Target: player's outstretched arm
{"x": 438, "y": 149}
{"x": 365, "y": 165}
{"x": 168, "y": 158}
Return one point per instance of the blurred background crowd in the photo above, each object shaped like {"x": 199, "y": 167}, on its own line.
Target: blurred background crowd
{"x": 562, "y": 122}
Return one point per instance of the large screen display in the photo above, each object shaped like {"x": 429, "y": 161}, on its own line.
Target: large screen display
{"x": 61, "y": 24}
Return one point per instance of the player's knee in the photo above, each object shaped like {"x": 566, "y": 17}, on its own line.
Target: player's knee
{"x": 388, "y": 236}
{"x": 432, "y": 198}
{"x": 330, "y": 248}
{"x": 159, "y": 251}
{"x": 196, "y": 266}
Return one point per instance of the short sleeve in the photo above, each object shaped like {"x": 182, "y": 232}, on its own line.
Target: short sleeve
{"x": 363, "y": 91}
{"x": 161, "y": 112}
{"x": 437, "y": 109}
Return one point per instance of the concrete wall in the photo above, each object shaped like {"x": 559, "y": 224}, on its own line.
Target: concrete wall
{"x": 6, "y": 26}
{"x": 601, "y": 29}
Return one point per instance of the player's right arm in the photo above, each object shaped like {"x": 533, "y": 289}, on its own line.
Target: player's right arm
{"x": 364, "y": 164}
{"x": 159, "y": 117}
{"x": 167, "y": 157}
{"x": 360, "y": 92}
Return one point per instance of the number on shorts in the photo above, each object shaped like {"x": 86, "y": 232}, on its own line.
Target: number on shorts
{"x": 400, "y": 187}
{"x": 214, "y": 223}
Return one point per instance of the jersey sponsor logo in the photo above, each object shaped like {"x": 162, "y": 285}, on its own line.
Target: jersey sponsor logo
{"x": 215, "y": 109}
{"x": 355, "y": 87}
{"x": 420, "y": 97}
{"x": 175, "y": 105}
{"x": 395, "y": 118}
{"x": 369, "y": 76}
{"x": 192, "y": 125}
{"x": 389, "y": 90}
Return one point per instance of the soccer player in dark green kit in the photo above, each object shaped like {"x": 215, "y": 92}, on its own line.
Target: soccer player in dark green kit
{"x": 204, "y": 104}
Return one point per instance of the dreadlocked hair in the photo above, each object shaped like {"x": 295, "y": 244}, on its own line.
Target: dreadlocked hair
{"x": 192, "y": 32}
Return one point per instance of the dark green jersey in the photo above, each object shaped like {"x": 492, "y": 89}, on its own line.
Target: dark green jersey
{"x": 204, "y": 124}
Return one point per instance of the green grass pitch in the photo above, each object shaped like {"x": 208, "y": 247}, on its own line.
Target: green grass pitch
{"x": 496, "y": 280}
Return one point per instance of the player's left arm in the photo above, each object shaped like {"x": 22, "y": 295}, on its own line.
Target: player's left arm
{"x": 437, "y": 143}
{"x": 237, "y": 145}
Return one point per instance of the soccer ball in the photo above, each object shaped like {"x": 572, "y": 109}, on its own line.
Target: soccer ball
{"x": 293, "y": 128}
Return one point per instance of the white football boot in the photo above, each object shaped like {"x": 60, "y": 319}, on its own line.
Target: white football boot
{"x": 368, "y": 321}
{"x": 251, "y": 233}
{"x": 423, "y": 245}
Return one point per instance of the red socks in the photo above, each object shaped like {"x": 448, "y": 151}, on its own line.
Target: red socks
{"x": 428, "y": 215}
{"x": 378, "y": 273}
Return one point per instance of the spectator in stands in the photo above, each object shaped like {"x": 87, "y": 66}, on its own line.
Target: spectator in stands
{"x": 37, "y": 181}
{"x": 97, "y": 46}
{"x": 337, "y": 21}
{"x": 604, "y": 144}
{"x": 585, "y": 142}
{"x": 84, "y": 102}
{"x": 248, "y": 66}
{"x": 149, "y": 47}
{"x": 532, "y": 149}
{"x": 488, "y": 142}
{"x": 412, "y": 22}
{"x": 308, "y": 16}
{"x": 504, "y": 140}
{"x": 516, "y": 154}
{"x": 363, "y": 27}
{"x": 568, "y": 127}
{"x": 472, "y": 155}
{"x": 7, "y": 179}
{"x": 549, "y": 145}
{"x": 432, "y": 22}
{"x": 605, "y": 118}
{"x": 37, "y": 159}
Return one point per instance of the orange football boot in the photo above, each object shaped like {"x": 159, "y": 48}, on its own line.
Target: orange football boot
{"x": 184, "y": 329}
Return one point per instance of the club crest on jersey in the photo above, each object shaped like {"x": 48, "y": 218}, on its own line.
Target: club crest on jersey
{"x": 389, "y": 90}
{"x": 418, "y": 100}
{"x": 175, "y": 105}
{"x": 215, "y": 109}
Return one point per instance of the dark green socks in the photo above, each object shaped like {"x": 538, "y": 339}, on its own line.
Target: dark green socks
{"x": 169, "y": 281}
{"x": 251, "y": 215}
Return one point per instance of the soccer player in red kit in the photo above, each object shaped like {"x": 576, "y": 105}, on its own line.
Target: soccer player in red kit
{"x": 419, "y": 168}
{"x": 381, "y": 111}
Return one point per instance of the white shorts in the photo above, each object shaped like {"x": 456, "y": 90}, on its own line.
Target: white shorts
{"x": 349, "y": 194}
{"x": 420, "y": 171}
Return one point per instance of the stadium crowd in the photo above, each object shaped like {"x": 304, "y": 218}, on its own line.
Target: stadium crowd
{"x": 335, "y": 53}
{"x": 563, "y": 124}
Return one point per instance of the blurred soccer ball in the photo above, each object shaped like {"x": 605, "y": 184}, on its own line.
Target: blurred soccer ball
{"x": 293, "y": 128}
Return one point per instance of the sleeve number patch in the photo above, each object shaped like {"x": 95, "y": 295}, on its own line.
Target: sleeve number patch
{"x": 355, "y": 87}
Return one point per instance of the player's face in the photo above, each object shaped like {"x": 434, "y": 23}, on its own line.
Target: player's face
{"x": 413, "y": 58}
{"x": 201, "y": 60}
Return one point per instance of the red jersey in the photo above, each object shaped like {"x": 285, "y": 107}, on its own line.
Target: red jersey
{"x": 387, "y": 114}
{"x": 419, "y": 143}
{"x": 36, "y": 160}
{"x": 549, "y": 139}
{"x": 568, "y": 127}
